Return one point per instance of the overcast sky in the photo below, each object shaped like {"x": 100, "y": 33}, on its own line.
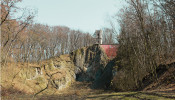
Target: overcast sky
{"x": 85, "y": 15}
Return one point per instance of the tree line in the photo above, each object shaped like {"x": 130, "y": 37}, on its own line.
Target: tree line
{"x": 25, "y": 41}
{"x": 147, "y": 39}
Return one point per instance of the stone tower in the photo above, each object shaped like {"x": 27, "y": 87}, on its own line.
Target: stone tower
{"x": 98, "y": 36}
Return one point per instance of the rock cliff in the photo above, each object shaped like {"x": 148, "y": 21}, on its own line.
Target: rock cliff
{"x": 89, "y": 62}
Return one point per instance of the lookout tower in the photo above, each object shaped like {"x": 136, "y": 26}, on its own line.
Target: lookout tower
{"x": 98, "y": 34}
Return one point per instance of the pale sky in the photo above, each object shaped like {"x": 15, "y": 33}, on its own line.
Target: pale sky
{"x": 85, "y": 15}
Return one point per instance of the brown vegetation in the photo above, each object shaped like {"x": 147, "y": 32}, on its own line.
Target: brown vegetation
{"x": 146, "y": 39}
{"x": 33, "y": 55}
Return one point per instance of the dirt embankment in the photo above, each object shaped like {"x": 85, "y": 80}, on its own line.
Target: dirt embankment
{"x": 164, "y": 81}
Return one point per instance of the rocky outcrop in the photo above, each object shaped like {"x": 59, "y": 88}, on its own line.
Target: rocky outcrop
{"x": 89, "y": 62}
{"x": 57, "y": 72}
{"x": 85, "y": 64}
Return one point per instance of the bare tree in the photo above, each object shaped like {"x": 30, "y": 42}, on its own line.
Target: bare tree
{"x": 12, "y": 26}
{"x": 146, "y": 39}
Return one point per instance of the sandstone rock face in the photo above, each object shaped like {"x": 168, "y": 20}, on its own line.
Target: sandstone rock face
{"x": 56, "y": 73}
{"x": 60, "y": 71}
{"x": 89, "y": 62}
